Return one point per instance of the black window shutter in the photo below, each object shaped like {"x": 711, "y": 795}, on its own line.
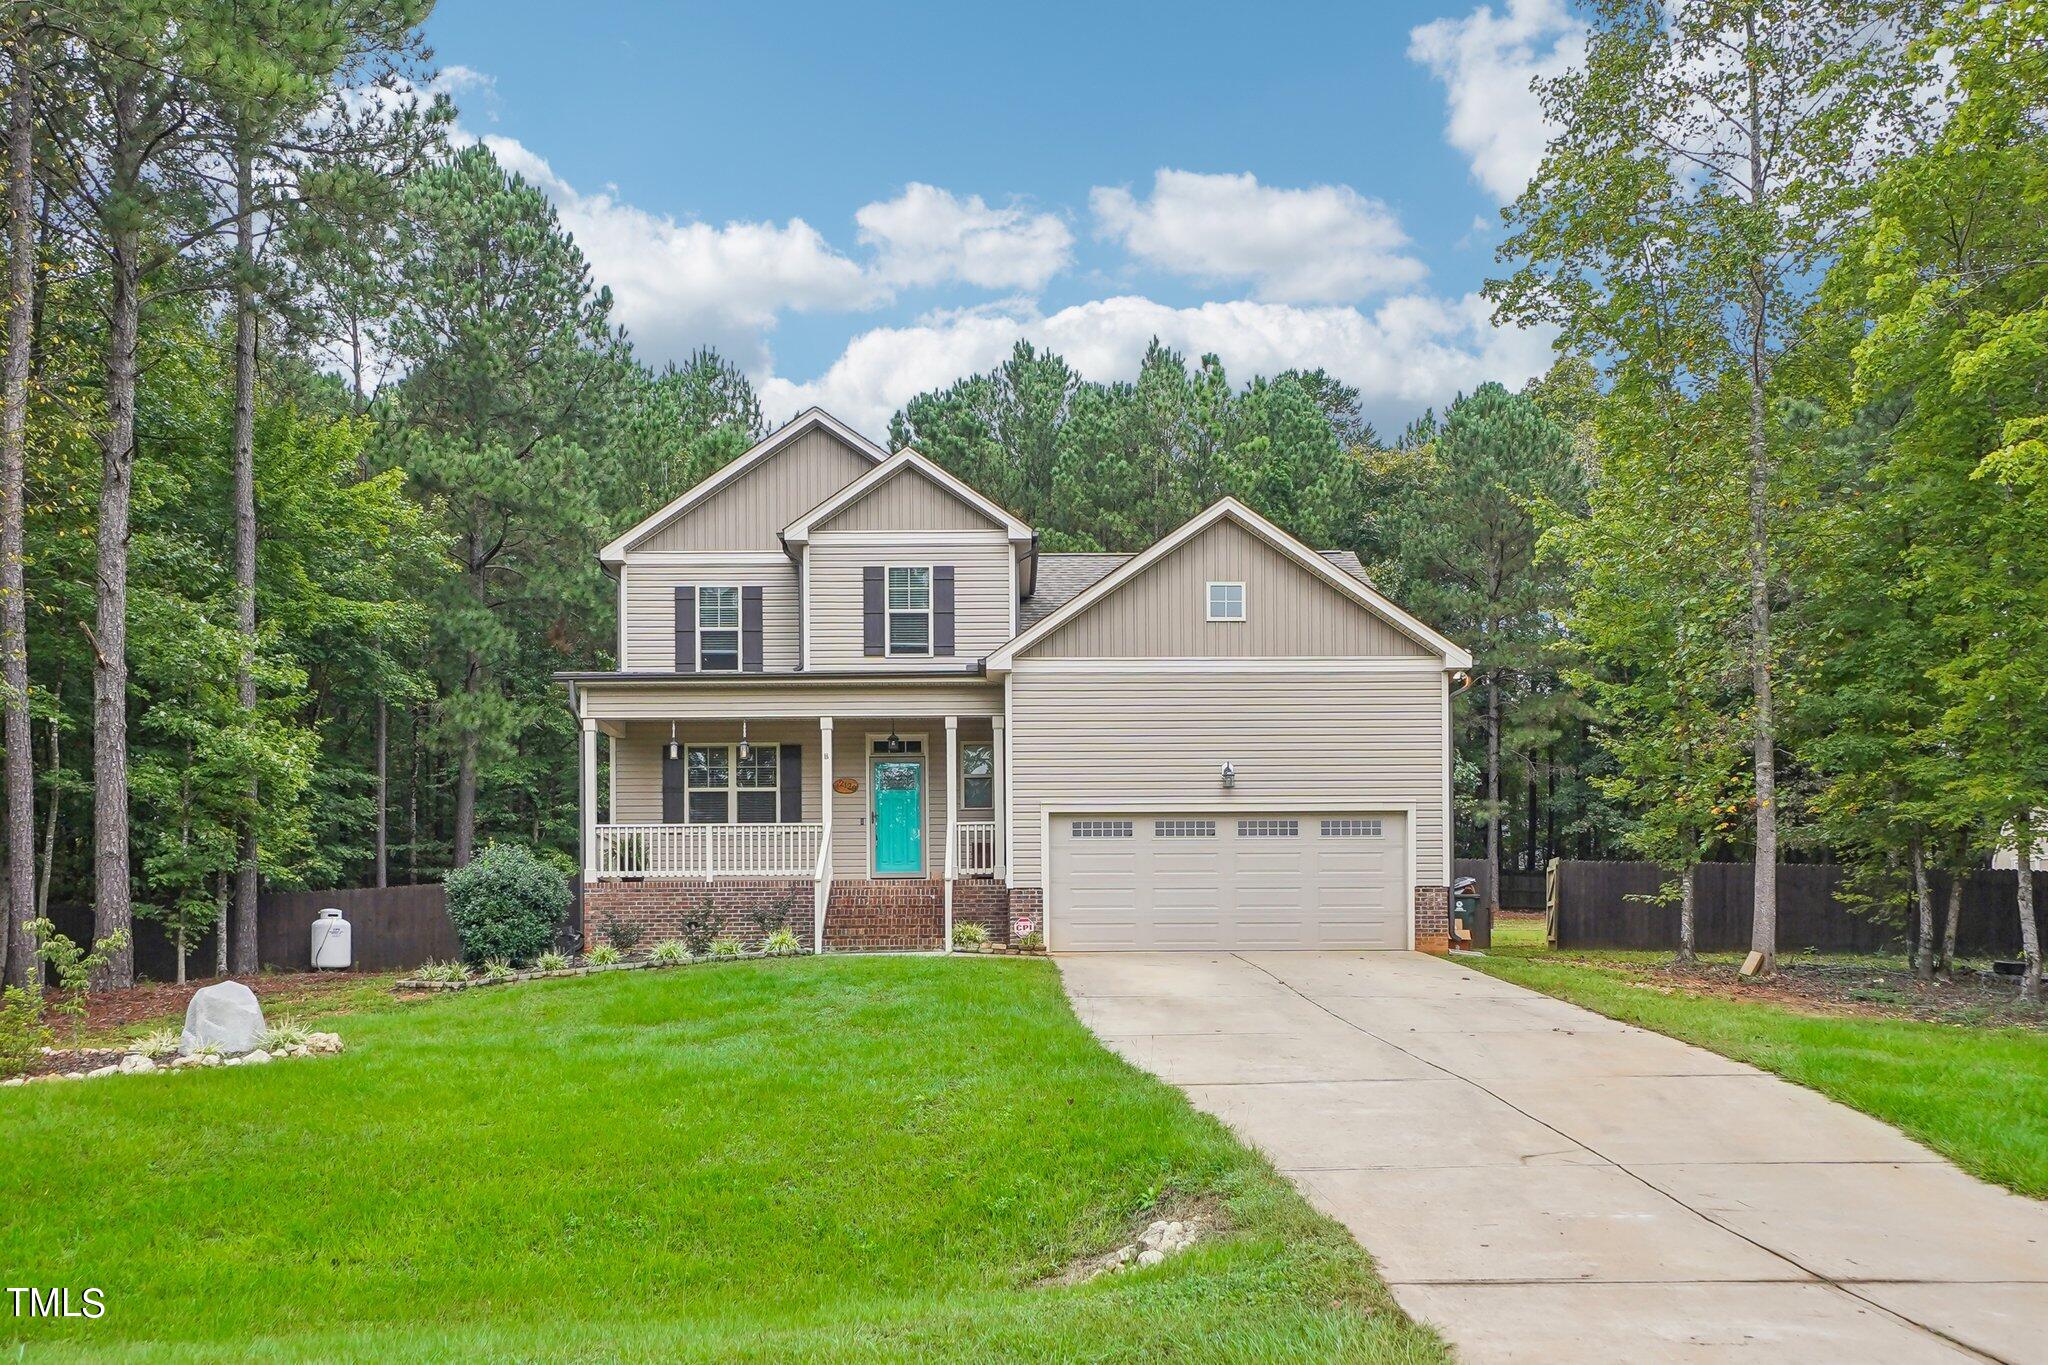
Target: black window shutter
{"x": 871, "y": 609}
{"x": 750, "y": 628}
{"x": 686, "y": 628}
{"x": 792, "y": 784}
{"x": 671, "y": 788}
{"x": 942, "y": 609}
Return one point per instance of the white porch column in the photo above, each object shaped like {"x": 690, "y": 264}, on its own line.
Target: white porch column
{"x": 588, "y": 801}
{"x": 952, "y": 819}
{"x": 821, "y": 892}
{"x": 999, "y": 807}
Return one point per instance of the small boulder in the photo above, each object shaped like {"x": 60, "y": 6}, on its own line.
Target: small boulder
{"x": 135, "y": 1064}
{"x": 1151, "y": 1256}
{"x": 224, "y": 1015}
{"x": 324, "y": 1042}
{"x": 258, "y": 1056}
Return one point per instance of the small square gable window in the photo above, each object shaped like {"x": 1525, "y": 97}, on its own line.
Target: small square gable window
{"x": 1226, "y": 601}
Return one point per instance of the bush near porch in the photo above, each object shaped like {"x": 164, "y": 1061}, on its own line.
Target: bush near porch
{"x": 846, "y": 1158}
{"x": 1973, "y": 1086}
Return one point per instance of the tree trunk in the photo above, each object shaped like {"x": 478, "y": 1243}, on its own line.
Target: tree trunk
{"x": 50, "y": 825}
{"x": 1492, "y": 793}
{"x": 220, "y": 925}
{"x": 1688, "y": 940}
{"x": 1948, "y": 928}
{"x": 383, "y": 790}
{"x": 242, "y": 955}
{"x": 20, "y": 781}
{"x": 113, "y": 908}
{"x": 1764, "y": 916}
{"x": 179, "y": 936}
{"x": 1923, "y": 908}
{"x": 2030, "y": 933}
{"x": 465, "y": 771}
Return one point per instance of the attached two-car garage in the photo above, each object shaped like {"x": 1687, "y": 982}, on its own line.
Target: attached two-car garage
{"x": 1193, "y": 880}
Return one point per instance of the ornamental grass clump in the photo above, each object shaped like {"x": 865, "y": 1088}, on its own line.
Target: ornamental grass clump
{"x": 781, "y": 943}
{"x": 967, "y": 934}
{"x": 551, "y": 961}
{"x": 669, "y": 953}
{"x": 725, "y": 947}
{"x": 604, "y": 955}
{"x": 286, "y": 1031}
{"x": 506, "y": 904}
{"x": 442, "y": 973}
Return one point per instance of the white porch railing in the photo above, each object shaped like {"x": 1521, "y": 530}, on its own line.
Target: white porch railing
{"x": 977, "y": 848}
{"x": 709, "y": 850}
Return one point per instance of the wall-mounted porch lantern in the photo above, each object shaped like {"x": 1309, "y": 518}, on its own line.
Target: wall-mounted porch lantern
{"x": 1229, "y": 776}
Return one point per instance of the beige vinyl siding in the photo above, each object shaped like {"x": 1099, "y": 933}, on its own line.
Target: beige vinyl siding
{"x": 907, "y": 501}
{"x": 750, "y": 512}
{"x": 788, "y": 699}
{"x": 637, "y": 782}
{"x": 981, "y": 597}
{"x": 1356, "y": 741}
{"x": 650, "y": 591}
{"x": 1162, "y": 613}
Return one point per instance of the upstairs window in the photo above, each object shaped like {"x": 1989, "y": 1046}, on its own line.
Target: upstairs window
{"x": 718, "y": 630}
{"x": 910, "y": 610}
{"x": 1226, "y": 601}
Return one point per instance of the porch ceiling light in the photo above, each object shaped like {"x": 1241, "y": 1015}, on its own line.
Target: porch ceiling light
{"x": 743, "y": 739}
{"x": 894, "y": 743}
{"x": 675, "y": 750}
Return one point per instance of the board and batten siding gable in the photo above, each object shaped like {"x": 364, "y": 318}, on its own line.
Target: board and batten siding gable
{"x": 907, "y": 501}
{"x": 750, "y": 512}
{"x": 981, "y": 596}
{"x": 1289, "y": 612}
{"x": 1339, "y": 741}
{"x": 650, "y": 614}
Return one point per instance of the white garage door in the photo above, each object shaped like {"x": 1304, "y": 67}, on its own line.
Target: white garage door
{"x": 1257, "y": 880}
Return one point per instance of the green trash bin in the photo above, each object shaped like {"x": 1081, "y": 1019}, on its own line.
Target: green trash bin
{"x": 1464, "y": 909}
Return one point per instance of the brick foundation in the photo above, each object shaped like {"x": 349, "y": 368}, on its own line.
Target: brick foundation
{"x": 1433, "y": 919}
{"x": 1027, "y": 911}
{"x": 984, "y": 901}
{"x": 659, "y": 907}
{"x": 895, "y": 915}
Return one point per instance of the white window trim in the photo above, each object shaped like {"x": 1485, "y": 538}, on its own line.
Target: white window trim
{"x": 889, "y": 614}
{"x": 965, "y": 745}
{"x": 739, "y": 626}
{"x": 732, "y": 786}
{"x": 1209, "y": 602}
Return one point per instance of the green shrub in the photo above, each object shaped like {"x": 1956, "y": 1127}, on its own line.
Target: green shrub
{"x": 1033, "y": 942}
{"x": 725, "y": 947}
{"x": 431, "y": 970}
{"x": 285, "y": 1031}
{"x": 781, "y": 943}
{"x": 621, "y": 934}
{"x": 699, "y": 929}
{"x": 507, "y": 904}
{"x": 669, "y": 953}
{"x": 603, "y": 955}
{"x": 967, "y": 934}
{"x": 552, "y": 961}
{"x": 74, "y": 967}
{"x": 22, "y": 1032}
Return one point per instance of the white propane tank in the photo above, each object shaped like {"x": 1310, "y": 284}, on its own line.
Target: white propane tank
{"x": 332, "y": 949}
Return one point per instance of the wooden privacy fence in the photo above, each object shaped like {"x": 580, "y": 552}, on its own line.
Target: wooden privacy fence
{"x": 392, "y": 927}
{"x": 1605, "y": 905}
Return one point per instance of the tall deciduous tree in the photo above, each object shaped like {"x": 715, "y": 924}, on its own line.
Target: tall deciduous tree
{"x": 1708, "y": 160}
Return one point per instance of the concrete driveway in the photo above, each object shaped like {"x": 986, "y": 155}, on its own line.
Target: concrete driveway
{"x": 1544, "y": 1184}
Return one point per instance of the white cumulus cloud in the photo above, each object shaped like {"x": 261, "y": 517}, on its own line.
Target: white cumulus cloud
{"x": 927, "y": 236}
{"x": 1486, "y": 62}
{"x": 1323, "y": 244}
{"x": 1406, "y": 353}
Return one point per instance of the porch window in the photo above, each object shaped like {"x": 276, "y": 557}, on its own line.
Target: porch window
{"x": 977, "y": 776}
{"x": 724, "y": 788}
{"x": 910, "y": 610}
{"x": 718, "y": 630}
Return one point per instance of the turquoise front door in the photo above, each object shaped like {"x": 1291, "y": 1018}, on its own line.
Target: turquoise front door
{"x": 898, "y": 789}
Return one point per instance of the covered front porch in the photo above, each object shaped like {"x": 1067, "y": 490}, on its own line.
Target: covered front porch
{"x": 880, "y": 820}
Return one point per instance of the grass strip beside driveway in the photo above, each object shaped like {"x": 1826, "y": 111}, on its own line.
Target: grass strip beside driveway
{"x": 839, "y": 1158}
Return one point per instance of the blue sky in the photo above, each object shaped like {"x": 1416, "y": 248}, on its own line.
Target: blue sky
{"x": 858, "y": 202}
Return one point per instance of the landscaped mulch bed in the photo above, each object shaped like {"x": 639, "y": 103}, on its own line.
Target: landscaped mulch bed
{"x": 149, "y": 1001}
{"x": 1972, "y": 997}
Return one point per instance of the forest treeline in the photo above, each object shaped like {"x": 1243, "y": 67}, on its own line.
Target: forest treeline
{"x": 315, "y": 419}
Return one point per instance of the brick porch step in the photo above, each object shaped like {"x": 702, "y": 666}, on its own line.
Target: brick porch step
{"x": 905, "y": 914}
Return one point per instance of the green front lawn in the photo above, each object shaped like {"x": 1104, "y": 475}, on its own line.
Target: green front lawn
{"x": 851, "y": 1158}
{"x": 1977, "y": 1095}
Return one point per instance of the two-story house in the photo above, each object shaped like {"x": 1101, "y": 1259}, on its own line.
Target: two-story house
{"x": 852, "y": 690}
